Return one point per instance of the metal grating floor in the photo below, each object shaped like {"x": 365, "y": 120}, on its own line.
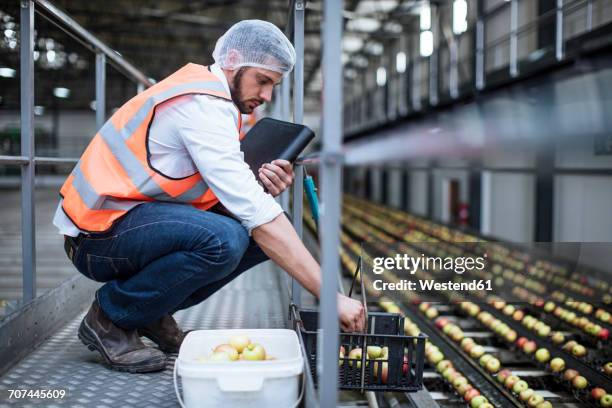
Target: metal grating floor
{"x": 62, "y": 362}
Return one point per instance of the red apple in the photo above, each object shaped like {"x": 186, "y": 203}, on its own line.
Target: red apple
{"x": 521, "y": 341}
{"x": 406, "y": 365}
{"x": 570, "y": 374}
{"x": 597, "y": 393}
{"x": 529, "y": 347}
{"x": 441, "y": 322}
{"x": 503, "y": 374}
{"x": 603, "y": 334}
{"x": 470, "y": 394}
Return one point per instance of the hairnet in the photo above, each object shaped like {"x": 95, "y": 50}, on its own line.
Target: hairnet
{"x": 256, "y": 43}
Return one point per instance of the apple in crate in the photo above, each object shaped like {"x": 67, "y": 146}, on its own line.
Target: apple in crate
{"x": 220, "y": 356}
{"x": 239, "y": 342}
{"x": 254, "y": 352}
{"x": 374, "y": 352}
{"x": 233, "y": 353}
{"x": 355, "y": 354}
{"x": 383, "y": 366}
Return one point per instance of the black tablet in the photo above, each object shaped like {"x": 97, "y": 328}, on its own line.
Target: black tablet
{"x": 272, "y": 139}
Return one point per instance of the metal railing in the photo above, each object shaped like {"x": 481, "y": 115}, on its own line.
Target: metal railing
{"x": 28, "y": 160}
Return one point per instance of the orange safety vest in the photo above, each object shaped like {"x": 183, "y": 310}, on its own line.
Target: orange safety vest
{"x": 114, "y": 174}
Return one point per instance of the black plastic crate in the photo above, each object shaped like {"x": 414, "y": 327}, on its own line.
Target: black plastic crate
{"x": 387, "y": 330}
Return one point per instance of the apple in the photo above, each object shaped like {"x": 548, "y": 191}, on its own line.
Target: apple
{"x": 597, "y": 393}
{"x": 529, "y": 347}
{"x": 459, "y": 381}
{"x": 477, "y": 351}
{"x": 465, "y": 341}
{"x": 520, "y": 386}
{"x": 254, "y": 352}
{"x": 374, "y": 352}
{"x": 521, "y": 341}
{"x": 493, "y": 365}
{"x": 220, "y": 356}
{"x": 579, "y": 350}
{"x": 608, "y": 368}
{"x": 355, "y": 354}
{"x": 503, "y": 374}
{"x": 436, "y": 357}
{"x": 431, "y": 313}
{"x": 535, "y": 400}
{"x": 579, "y": 382}
{"x": 526, "y": 394}
{"x": 544, "y": 331}
{"x": 518, "y": 315}
{"x": 557, "y": 337}
{"x": 441, "y": 322}
{"x": 239, "y": 342}
{"x": 603, "y": 334}
{"x": 471, "y": 394}
{"x": 406, "y": 365}
{"x": 549, "y": 307}
{"x": 510, "y": 336}
{"x": 233, "y": 353}
{"x": 484, "y": 359}
{"x": 544, "y": 404}
{"x": 570, "y": 345}
{"x": 606, "y": 401}
{"x": 486, "y": 405}
{"x": 510, "y": 381}
{"x": 542, "y": 355}
{"x": 464, "y": 388}
{"x": 570, "y": 374}
{"x": 385, "y": 353}
{"x": 384, "y": 370}
{"x": 441, "y": 366}
{"x": 557, "y": 365}
{"x": 478, "y": 401}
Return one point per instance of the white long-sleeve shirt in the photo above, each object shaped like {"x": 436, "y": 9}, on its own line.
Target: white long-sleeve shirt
{"x": 198, "y": 133}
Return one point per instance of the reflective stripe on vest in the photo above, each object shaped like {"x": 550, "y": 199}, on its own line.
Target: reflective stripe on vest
{"x": 114, "y": 175}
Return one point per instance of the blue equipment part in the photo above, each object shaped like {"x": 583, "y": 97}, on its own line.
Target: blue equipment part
{"x": 311, "y": 195}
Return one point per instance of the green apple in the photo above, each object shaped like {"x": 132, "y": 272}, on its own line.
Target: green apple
{"x": 579, "y": 382}
{"x": 519, "y": 386}
{"x": 557, "y": 365}
{"x": 544, "y": 404}
{"x": 484, "y": 359}
{"x": 374, "y": 352}
{"x": 535, "y": 400}
{"x": 493, "y": 365}
{"x": 606, "y": 401}
{"x": 526, "y": 394}
{"x": 478, "y": 401}
{"x": 239, "y": 342}
{"x": 542, "y": 355}
{"x": 254, "y": 352}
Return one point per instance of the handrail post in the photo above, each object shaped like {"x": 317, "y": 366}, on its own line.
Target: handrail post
{"x": 28, "y": 172}
{"x": 559, "y": 31}
{"x": 100, "y": 90}
{"x": 480, "y": 48}
{"x": 331, "y": 171}
{"x": 298, "y": 117}
{"x": 513, "y": 38}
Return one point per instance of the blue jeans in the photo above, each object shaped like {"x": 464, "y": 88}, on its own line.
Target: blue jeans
{"x": 163, "y": 257}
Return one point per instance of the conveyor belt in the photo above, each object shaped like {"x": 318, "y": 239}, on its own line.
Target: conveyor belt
{"x": 254, "y": 300}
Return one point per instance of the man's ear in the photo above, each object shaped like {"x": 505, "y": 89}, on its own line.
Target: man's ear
{"x": 232, "y": 58}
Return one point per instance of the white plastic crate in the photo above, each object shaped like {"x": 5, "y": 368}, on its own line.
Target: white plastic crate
{"x": 271, "y": 383}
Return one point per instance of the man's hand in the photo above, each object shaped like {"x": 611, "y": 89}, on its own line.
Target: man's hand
{"x": 276, "y": 176}
{"x": 351, "y": 314}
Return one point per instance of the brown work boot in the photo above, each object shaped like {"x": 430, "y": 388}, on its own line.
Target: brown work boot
{"x": 121, "y": 349}
{"x": 165, "y": 333}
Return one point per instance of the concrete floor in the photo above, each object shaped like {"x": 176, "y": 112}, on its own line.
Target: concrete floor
{"x": 52, "y": 265}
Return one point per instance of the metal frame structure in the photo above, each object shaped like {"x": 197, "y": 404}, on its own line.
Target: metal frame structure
{"x": 28, "y": 160}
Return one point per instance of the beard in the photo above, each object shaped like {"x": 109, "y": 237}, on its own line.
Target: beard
{"x": 236, "y": 91}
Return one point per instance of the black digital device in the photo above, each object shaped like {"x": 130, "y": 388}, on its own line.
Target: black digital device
{"x": 271, "y": 139}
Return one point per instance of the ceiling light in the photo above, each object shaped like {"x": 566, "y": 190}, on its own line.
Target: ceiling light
{"x": 50, "y": 56}
{"x": 393, "y": 27}
{"x": 374, "y": 48}
{"x": 39, "y": 110}
{"x": 61, "y": 92}
{"x": 381, "y": 76}
{"x": 372, "y": 6}
{"x": 363, "y": 24}
{"x": 459, "y": 16}
{"x": 425, "y": 17}
{"x": 351, "y": 43}
{"x": 426, "y": 43}
{"x": 6, "y": 72}
{"x": 360, "y": 61}
{"x": 400, "y": 62}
